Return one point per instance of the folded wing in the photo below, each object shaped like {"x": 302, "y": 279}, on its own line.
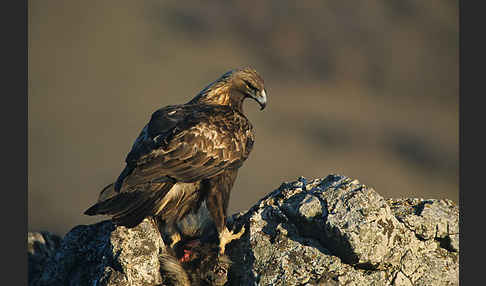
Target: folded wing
{"x": 182, "y": 143}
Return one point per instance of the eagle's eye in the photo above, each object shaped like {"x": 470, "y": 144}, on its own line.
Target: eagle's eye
{"x": 250, "y": 86}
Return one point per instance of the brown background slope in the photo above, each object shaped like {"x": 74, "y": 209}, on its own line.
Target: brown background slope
{"x": 367, "y": 89}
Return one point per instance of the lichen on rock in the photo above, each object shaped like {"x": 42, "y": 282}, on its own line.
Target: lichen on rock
{"x": 330, "y": 231}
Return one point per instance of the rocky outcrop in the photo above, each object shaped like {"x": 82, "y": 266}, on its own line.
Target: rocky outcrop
{"x": 336, "y": 231}
{"x": 102, "y": 254}
{"x": 331, "y": 231}
{"x": 40, "y": 246}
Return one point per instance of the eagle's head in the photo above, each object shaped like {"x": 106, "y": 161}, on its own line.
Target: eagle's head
{"x": 232, "y": 88}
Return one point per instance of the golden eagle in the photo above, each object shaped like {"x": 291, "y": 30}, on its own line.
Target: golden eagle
{"x": 187, "y": 154}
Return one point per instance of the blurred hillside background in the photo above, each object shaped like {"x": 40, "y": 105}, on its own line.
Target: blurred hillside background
{"x": 367, "y": 89}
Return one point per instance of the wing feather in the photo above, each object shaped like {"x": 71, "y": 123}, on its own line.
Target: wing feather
{"x": 188, "y": 143}
{"x": 130, "y": 207}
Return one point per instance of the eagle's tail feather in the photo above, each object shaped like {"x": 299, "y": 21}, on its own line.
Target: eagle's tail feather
{"x": 130, "y": 208}
{"x": 142, "y": 208}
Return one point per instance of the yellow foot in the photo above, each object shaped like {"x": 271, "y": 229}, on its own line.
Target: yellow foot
{"x": 175, "y": 238}
{"x": 227, "y": 236}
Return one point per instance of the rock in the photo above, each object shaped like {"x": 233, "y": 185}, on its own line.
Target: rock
{"x": 40, "y": 246}
{"x": 336, "y": 230}
{"x": 102, "y": 254}
{"x": 429, "y": 219}
{"x": 330, "y": 231}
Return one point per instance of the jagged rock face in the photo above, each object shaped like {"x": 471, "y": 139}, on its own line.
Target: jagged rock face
{"x": 338, "y": 231}
{"x": 40, "y": 246}
{"x": 102, "y": 254}
{"x": 332, "y": 231}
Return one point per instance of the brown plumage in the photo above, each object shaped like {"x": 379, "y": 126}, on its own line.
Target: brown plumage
{"x": 187, "y": 154}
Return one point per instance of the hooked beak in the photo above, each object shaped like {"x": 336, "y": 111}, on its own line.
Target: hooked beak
{"x": 261, "y": 99}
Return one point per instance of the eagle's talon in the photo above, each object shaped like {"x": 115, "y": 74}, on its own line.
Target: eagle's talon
{"x": 175, "y": 238}
{"x": 227, "y": 236}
